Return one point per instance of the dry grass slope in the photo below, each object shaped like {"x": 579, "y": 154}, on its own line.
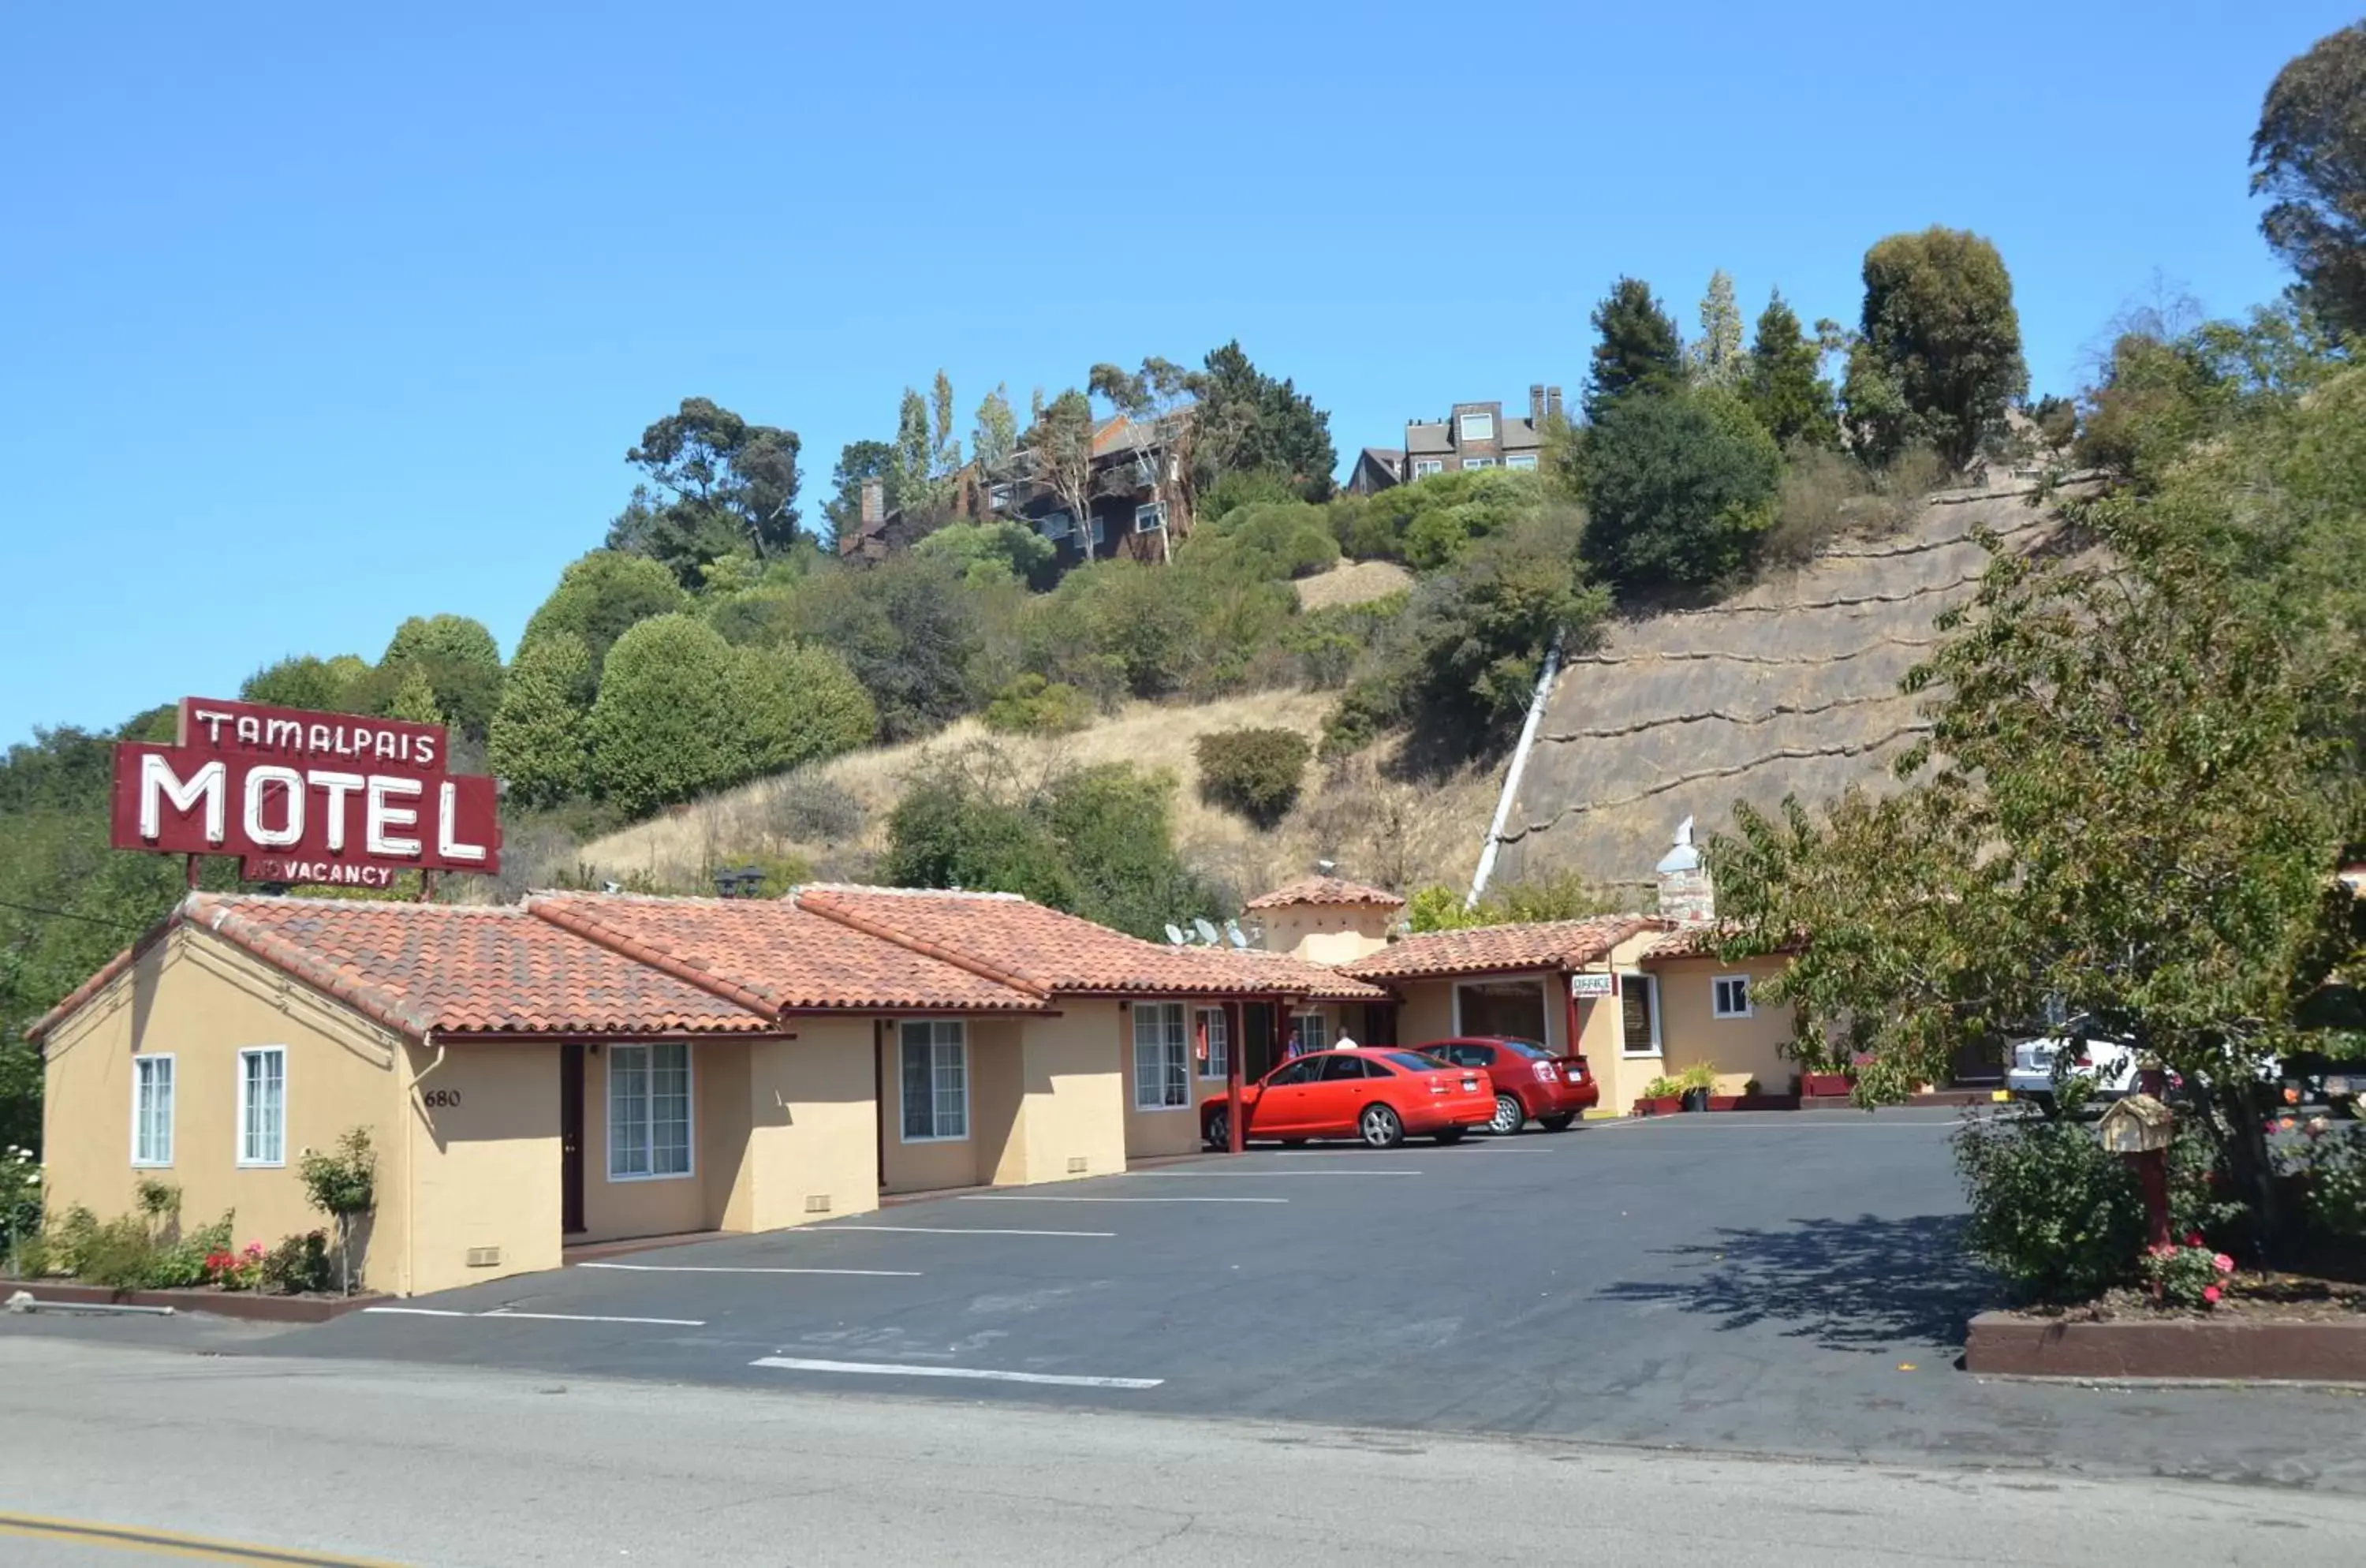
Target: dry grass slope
{"x": 1353, "y": 582}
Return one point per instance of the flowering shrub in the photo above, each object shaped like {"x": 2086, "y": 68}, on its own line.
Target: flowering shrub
{"x": 2331, "y": 1163}
{"x": 20, "y": 1197}
{"x": 2190, "y": 1275}
{"x": 241, "y": 1270}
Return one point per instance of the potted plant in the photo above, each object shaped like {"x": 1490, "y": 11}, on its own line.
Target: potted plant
{"x": 1694, "y": 1083}
{"x": 1661, "y": 1097}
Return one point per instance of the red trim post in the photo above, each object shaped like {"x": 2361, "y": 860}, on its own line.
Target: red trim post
{"x": 1235, "y": 1043}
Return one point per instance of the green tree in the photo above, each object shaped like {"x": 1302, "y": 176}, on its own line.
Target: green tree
{"x": 664, "y": 727}
{"x": 1431, "y": 525}
{"x": 319, "y": 685}
{"x": 1716, "y": 358}
{"x": 1058, "y": 447}
{"x": 602, "y": 595}
{"x": 926, "y": 455}
{"x": 1939, "y": 358}
{"x": 1784, "y": 384}
{"x": 908, "y": 629}
{"x": 458, "y": 659}
{"x": 414, "y": 698}
{"x": 2308, "y": 157}
{"x": 1640, "y": 349}
{"x": 992, "y": 552}
{"x": 720, "y": 483}
{"x": 1246, "y": 421}
{"x": 858, "y": 463}
{"x": 540, "y": 740}
{"x": 796, "y": 704}
{"x": 994, "y": 441}
{"x": 1680, "y": 487}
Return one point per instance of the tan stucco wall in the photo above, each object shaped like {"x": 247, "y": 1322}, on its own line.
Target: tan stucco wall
{"x": 485, "y": 1171}
{"x": 1077, "y": 1093}
{"x": 1743, "y": 1048}
{"x": 1326, "y": 933}
{"x": 997, "y": 1072}
{"x": 616, "y": 1210}
{"x": 1162, "y": 1130}
{"x": 816, "y": 1128}
{"x": 200, "y": 1000}
{"x": 1427, "y": 1014}
{"x": 999, "y": 1100}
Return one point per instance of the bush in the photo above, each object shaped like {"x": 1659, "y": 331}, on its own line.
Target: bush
{"x": 1255, "y": 773}
{"x": 1032, "y": 705}
{"x": 1825, "y": 496}
{"x": 600, "y": 597}
{"x": 1679, "y": 487}
{"x": 2331, "y": 1163}
{"x": 538, "y": 742}
{"x": 20, "y": 1197}
{"x": 298, "y": 1266}
{"x": 1272, "y": 542}
{"x": 812, "y": 810}
{"x": 120, "y": 1254}
{"x": 910, "y": 628}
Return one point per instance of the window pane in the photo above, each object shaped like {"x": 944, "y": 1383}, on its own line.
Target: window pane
{"x": 628, "y": 1111}
{"x": 920, "y": 1087}
{"x": 1149, "y": 1031}
{"x": 1637, "y": 997}
{"x": 1177, "y": 1087}
{"x": 669, "y": 1110}
{"x": 952, "y": 1083}
{"x": 1310, "y": 1031}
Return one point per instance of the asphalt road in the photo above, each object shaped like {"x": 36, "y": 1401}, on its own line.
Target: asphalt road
{"x": 1789, "y": 1285}
{"x": 326, "y": 1463}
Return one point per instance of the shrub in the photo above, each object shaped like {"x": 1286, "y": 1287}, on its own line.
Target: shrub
{"x": 538, "y": 746}
{"x": 795, "y": 704}
{"x": 1562, "y": 896}
{"x": 298, "y": 1266}
{"x": 910, "y": 630}
{"x": 2188, "y": 1275}
{"x": 664, "y": 727}
{"x": 1699, "y": 1076}
{"x": 20, "y": 1198}
{"x": 1825, "y": 496}
{"x": 240, "y": 1271}
{"x": 1255, "y": 773}
{"x": 2331, "y": 1163}
{"x": 120, "y": 1254}
{"x": 343, "y": 1185}
{"x": 811, "y": 808}
{"x": 1679, "y": 487}
{"x": 2052, "y": 1213}
{"x": 1032, "y": 705}
{"x": 1327, "y": 642}
{"x": 601, "y": 596}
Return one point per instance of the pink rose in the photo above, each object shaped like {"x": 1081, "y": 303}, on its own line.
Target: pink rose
{"x": 2193, "y": 1238}
{"x": 2210, "y": 1294}
{"x": 2223, "y": 1264}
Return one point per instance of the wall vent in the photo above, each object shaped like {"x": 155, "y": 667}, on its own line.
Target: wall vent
{"x": 816, "y": 1203}
{"x": 484, "y": 1257}
{"x": 1075, "y": 1164}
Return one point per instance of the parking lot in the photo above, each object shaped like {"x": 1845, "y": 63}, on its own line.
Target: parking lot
{"x": 1789, "y": 1284}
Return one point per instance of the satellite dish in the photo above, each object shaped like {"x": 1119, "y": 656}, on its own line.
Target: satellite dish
{"x": 1175, "y": 934}
{"x": 1233, "y": 935}
{"x": 1207, "y": 932}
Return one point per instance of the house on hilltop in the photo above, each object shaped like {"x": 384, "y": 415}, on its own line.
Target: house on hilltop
{"x": 1472, "y": 436}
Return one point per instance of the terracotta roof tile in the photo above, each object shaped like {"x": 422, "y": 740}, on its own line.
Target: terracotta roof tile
{"x": 780, "y": 956}
{"x": 1699, "y": 941}
{"x": 1051, "y": 953}
{"x": 1327, "y": 890}
{"x": 1483, "y": 950}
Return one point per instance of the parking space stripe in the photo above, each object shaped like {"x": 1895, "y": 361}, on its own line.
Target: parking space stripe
{"x": 536, "y": 1316}
{"x": 416, "y": 1311}
{"x": 1029, "y": 1198}
{"x": 959, "y": 1230}
{"x": 1270, "y": 1173}
{"x": 979, "y": 1374}
{"x": 719, "y": 1269}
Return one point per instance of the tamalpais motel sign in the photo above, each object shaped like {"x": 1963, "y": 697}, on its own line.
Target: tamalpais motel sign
{"x": 305, "y": 797}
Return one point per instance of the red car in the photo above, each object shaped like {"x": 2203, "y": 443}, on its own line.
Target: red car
{"x": 1530, "y": 1081}
{"x": 1376, "y": 1093}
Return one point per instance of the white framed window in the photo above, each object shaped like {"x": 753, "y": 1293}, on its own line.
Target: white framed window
{"x": 151, "y": 1109}
{"x": 1638, "y": 1014}
{"x": 262, "y": 1105}
{"x": 1469, "y": 464}
{"x": 935, "y": 1075}
{"x": 1313, "y": 1031}
{"x": 1057, "y": 526}
{"x": 1150, "y": 519}
{"x": 1730, "y": 996}
{"x": 998, "y": 497}
{"x": 648, "y": 1112}
{"x": 1424, "y": 466}
{"x": 1101, "y": 530}
{"x": 1162, "y": 1057}
{"x": 1521, "y": 460}
{"x": 1478, "y": 427}
{"x": 1216, "y": 1025}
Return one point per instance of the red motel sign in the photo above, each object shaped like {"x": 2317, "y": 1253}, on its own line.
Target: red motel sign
{"x": 305, "y": 796}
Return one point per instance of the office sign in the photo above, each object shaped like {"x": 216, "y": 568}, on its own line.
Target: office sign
{"x": 305, "y": 796}
{"x": 1593, "y": 985}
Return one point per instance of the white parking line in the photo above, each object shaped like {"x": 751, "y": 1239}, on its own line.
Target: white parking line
{"x": 540, "y": 1317}
{"x": 1026, "y": 1198}
{"x": 961, "y": 1229}
{"x": 1240, "y": 1173}
{"x": 709, "y": 1269}
{"x": 980, "y": 1374}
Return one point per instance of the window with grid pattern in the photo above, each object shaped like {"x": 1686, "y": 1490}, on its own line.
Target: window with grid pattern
{"x": 152, "y": 1110}
{"x": 1162, "y": 1057}
{"x": 262, "y": 1106}
{"x": 1217, "y": 1025}
{"x": 1313, "y": 1030}
{"x": 648, "y": 1111}
{"x": 1730, "y": 995}
{"x": 936, "y": 1080}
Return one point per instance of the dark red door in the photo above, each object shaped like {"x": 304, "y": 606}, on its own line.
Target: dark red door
{"x": 570, "y": 1138}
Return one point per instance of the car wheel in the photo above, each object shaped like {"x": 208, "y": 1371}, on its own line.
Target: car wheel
{"x": 1509, "y": 1117}
{"x": 1555, "y": 1123}
{"x": 1380, "y": 1126}
{"x": 1219, "y": 1131}
{"x": 1450, "y": 1134}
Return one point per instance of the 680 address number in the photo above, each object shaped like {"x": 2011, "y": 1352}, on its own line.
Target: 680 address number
{"x": 439, "y": 1097}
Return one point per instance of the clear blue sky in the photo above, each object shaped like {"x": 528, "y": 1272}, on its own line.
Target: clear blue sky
{"x": 312, "y": 317}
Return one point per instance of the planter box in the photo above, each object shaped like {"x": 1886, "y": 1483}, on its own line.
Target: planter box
{"x": 1825, "y": 1085}
{"x": 1665, "y": 1105}
{"x": 2176, "y": 1347}
{"x": 1725, "y": 1102}
{"x": 1756, "y": 1102}
{"x": 222, "y": 1303}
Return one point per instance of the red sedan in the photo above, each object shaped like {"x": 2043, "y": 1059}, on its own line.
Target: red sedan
{"x": 1530, "y": 1081}
{"x": 1376, "y": 1093}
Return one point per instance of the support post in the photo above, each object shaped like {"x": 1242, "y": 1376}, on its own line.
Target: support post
{"x": 1235, "y": 1043}
{"x": 190, "y": 875}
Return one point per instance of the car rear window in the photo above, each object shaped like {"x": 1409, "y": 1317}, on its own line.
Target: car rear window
{"x": 1529, "y": 1049}
{"x": 1413, "y": 1061}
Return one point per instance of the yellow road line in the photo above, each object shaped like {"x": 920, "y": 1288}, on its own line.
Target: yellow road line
{"x": 170, "y": 1543}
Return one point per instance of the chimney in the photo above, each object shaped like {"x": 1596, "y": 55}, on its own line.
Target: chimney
{"x": 1552, "y": 401}
{"x": 1537, "y": 403}
{"x": 1686, "y": 895}
{"x": 874, "y": 501}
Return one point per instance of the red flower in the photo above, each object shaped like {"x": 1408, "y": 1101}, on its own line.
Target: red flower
{"x": 2210, "y": 1294}
{"x": 2193, "y": 1238}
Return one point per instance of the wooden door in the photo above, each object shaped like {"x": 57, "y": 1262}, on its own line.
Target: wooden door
{"x": 570, "y": 1139}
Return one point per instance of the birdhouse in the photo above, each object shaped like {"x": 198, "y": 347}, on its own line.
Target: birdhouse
{"x": 2139, "y": 1124}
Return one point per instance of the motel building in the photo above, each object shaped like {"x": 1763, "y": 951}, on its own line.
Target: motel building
{"x": 580, "y": 1068}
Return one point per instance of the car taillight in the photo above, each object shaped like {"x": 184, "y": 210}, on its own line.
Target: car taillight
{"x": 1577, "y": 1069}
{"x": 2082, "y": 1061}
{"x": 1545, "y": 1072}
{"x": 1439, "y": 1086}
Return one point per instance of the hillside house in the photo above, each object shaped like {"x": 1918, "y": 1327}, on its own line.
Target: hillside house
{"x": 1472, "y": 436}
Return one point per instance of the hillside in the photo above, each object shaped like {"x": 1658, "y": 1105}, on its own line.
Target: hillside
{"x": 1788, "y": 688}
{"x": 1393, "y": 832}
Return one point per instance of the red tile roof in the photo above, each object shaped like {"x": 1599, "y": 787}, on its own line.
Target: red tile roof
{"x": 1488, "y": 950}
{"x": 1698, "y": 941}
{"x": 779, "y": 957}
{"x": 1050, "y": 953}
{"x": 1327, "y": 890}
{"x": 454, "y": 969}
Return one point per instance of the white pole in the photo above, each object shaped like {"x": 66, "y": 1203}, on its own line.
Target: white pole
{"x": 1512, "y": 775}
